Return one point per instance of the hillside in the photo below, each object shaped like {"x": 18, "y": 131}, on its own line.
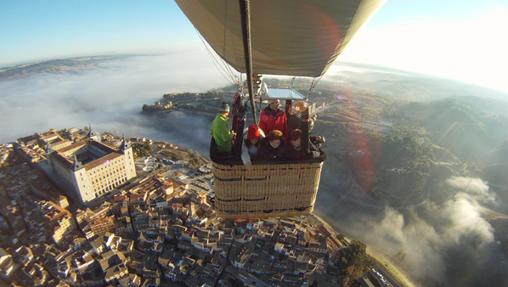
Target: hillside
{"x": 467, "y": 130}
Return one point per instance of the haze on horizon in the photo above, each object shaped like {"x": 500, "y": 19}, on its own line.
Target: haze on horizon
{"x": 460, "y": 40}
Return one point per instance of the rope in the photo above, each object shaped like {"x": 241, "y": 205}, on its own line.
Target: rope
{"x": 227, "y": 67}
{"x": 216, "y": 62}
{"x": 314, "y": 83}
{"x": 224, "y": 32}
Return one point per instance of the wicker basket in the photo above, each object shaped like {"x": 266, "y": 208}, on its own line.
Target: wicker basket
{"x": 265, "y": 190}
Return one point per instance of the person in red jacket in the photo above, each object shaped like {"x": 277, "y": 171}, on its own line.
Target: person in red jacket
{"x": 272, "y": 118}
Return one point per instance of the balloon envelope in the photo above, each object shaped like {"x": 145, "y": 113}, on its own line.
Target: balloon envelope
{"x": 289, "y": 37}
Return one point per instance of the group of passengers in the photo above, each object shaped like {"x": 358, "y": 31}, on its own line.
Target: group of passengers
{"x": 280, "y": 135}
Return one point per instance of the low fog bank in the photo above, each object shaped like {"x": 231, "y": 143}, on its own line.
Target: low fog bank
{"x": 108, "y": 97}
{"x": 444, "y": 241}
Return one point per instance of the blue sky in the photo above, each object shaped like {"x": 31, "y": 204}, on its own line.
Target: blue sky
{"x": 50, "y": 28}
{"x": 423, "y": 36}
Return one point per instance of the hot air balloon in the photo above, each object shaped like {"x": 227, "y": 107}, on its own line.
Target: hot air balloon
{"x": 274, "y": 37}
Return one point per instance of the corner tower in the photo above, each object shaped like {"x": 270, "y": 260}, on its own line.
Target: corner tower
{"x": 126, "y": 149}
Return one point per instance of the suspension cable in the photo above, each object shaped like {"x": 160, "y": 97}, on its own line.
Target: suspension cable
{"x": 314, "y": 83}
{"x": 226, "y": 66}
{"x": 216, "y": 62}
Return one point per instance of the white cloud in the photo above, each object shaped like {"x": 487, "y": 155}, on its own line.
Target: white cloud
{"x": 423, "y": 238}
{"x": 474, "y": 187}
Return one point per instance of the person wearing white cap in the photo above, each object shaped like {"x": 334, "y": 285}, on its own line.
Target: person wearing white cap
{"x": 272, "y": 118}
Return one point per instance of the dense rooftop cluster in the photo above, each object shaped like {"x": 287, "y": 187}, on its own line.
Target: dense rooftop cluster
{"x": 157, "y": 230}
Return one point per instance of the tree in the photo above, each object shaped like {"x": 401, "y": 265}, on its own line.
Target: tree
{"x": 354, "y": 262}
{"x": 141, "y": 149}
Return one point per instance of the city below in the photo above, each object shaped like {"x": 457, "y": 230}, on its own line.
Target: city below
{"x": 82, "y": 209}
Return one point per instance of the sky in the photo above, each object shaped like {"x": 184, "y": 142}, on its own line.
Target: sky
{"x": 455, "y": 39}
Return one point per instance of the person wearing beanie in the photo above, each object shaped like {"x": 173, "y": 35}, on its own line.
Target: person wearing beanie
{"x": 253, "y": 134}
{"x": 252, "y": 143}
{"x": 273, "y": 146}
{"x": 298, "y": 118}
{"x": 295, "y": 150}
{"x": 221, "y": 133}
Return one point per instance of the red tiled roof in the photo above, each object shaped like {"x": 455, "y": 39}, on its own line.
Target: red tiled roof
{"x": 112, "y": 154}
{"x": 99, "y": 161}
{"x": 102, "y": 146}
{"x": 72, "y": 146}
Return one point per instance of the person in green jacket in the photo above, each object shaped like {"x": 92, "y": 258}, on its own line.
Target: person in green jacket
{"x": 221, "y": 132}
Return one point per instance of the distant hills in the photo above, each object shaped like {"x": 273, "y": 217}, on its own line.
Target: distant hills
{"x": 65, "y": 65}
{"x": 495, "y": 171}
{"x": 419, "y": 141}
{"x": 403, "y": 85}
{"x": 455, "y": 124}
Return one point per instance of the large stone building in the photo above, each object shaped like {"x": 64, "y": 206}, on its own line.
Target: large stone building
{"x": 88, "y": 169}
